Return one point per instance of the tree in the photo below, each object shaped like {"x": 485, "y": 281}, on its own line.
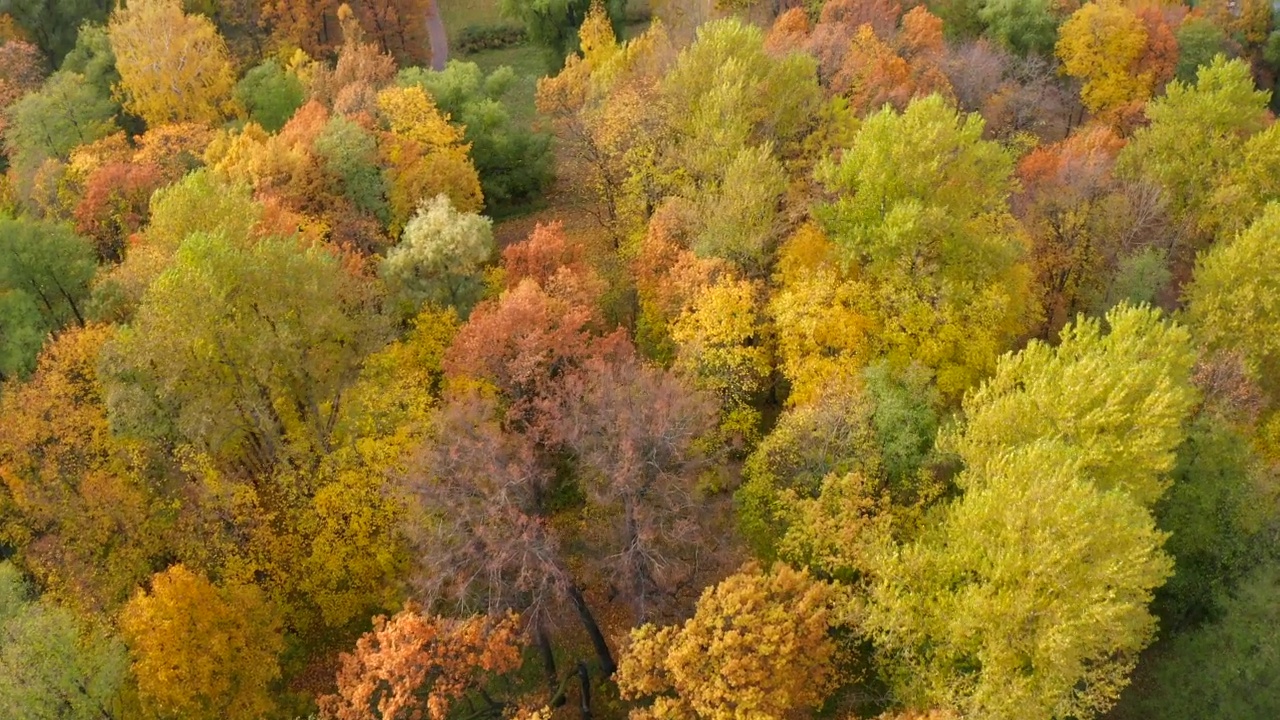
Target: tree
{"x": 268, "y": 379}
{"x": 758, "y": 645}
{"x": 554, "y": 24}
{"x": 114, "y": 205}
{"x": 1023, "y": 27}
{"x": 77, "y": 506}
{"x": 1227, "y": 669}
{"x": 1196, "y": 134}
{"x": 201, "y": 651}
{"x": 1231, "y": 303}
{"x": 45, "y": 270}
{"x": 173, "y": 67}
{"x": 720, "y": 346}
{"x": 637, "y": 434}
{"x": 411, "y": 655}
{"x": 1102, "y": 44}
{"x": 23, "y": 71}
{"x": 270, "y": 93}
{"x": 1118, "y": 400}
{"x": 53, "y": 25}
{"x": 53, "y": 666}
{"x": 1027, "y": 599}
{"x": 1199, "y": 42}
{"x": 928, "y": 227}
{"x": 514, "y": 162}
{"x": 439, "y": 257}
{"x": 65, "y": 112}
{"x": 424, "y": 156}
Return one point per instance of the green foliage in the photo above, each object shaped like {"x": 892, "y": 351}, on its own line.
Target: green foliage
{"x": 730, "y": 94}
{"x": 1139, "y": 279}
{"x": 271, "y": 94}
{"x": 514, "y": 163}
{"x": 1214, "y": 513}
{"x": 1024, "y": 26}
{"x": 350, "y": 153}
{"x": 905, "y": 418}
{"x": 242, "y": 348}
{"x": 553, "y": 24}
{"x": 51, "y": 668}
{"x": 1199, "y": 41}
{"x": 922, "y": 211}
{"x": 1119, "y": 400}
{"x": 439, "y": 257}
{"x": 45, "y": 269}
{"x": 53, "y": 24}
{"x": 741, "y": 213}
{"x": 1229, "y": 669}
{"x": 68, "y": 110}
{"x": 93, "y": 58}
{"x": 1197, "y": 133}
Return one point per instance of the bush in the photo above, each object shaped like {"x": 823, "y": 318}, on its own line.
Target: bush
{"x": 476, "y": 38}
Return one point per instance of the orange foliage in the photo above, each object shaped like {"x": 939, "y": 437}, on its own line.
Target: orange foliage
{"x": 872, "y": 74}
{"x": 788, "y": 33}
{"x": 412, "y": 655}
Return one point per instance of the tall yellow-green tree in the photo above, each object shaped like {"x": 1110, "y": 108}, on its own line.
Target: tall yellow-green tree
{"x": 1027, "y": 600}
{"x": 1119, "y": 399}
{"x": 1197, "y": 135}
{"x": 1234, "y": 299}
{"x": 173, "y": 67}
{"x": 200, "y": 651}
{"x": 922, "y": 218}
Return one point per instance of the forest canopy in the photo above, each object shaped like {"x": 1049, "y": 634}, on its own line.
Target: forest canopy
{"x": 647, "y": 359}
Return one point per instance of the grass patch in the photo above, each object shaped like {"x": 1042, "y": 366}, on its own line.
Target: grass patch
{"x": 459, "y": 14}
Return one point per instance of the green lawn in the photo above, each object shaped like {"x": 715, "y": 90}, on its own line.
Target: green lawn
{"x": 459, "y": 14}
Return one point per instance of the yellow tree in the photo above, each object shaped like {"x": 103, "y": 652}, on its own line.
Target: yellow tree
{"x": 757, "y": 647}
{"x": 424, "y": 155}
{"x": 200, "y": 651}
{"x": 173, "y": 67}
{"x": 1102, "y": 43}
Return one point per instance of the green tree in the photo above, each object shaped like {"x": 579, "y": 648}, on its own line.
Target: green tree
{"x": 1024, "y": 26}
{"x": 514, "y": 162}
{"x": 350, "y": 153}
{"x": 51, "y": 667}
{"x": 1228, "y": 669}
{"x": 54, "y": 25}
{"x": 1199, "y": 41}
{"x": 1118, "y": 399}
{"x": 439, "y": 257}
{"x": 553, "y": 24}
{"x": 1197, "y": 133}
{"x": 45, "y": 269}
{"x": 243, "y": 348}
{"x": 1028, "y": 598}
{"x": 922, "y": 214}
{"x": 271, "y": 94}
{"x": 68, "y": 110}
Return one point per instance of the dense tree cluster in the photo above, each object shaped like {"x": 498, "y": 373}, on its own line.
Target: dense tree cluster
{"x": 859, "y": 359}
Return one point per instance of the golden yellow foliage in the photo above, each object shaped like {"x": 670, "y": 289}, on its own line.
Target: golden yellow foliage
{"x": 756, "y": 647}
{"x": 173, "y": 67}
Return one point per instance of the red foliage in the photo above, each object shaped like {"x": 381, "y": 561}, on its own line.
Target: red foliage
{"x": 524, "y": 343}
{"x": 116, "y": 204}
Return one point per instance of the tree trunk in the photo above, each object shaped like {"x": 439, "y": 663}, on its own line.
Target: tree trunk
{"x": 548, "y": 663}
{"x": 593, "y": 629}
{"x": 437, "y": 36}
{"x": 584, "y": 701}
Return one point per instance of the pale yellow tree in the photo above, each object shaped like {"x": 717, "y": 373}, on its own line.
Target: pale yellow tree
{"x": 173, "y": 67}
